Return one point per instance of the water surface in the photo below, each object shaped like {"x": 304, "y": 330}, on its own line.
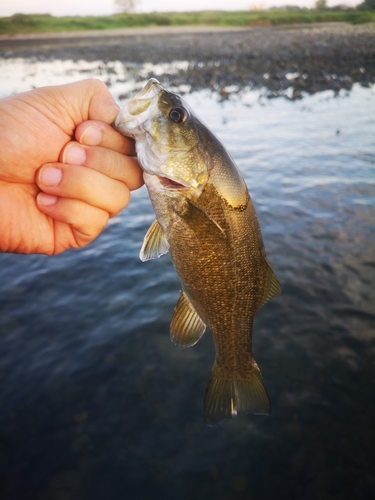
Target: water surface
{"x": 95, "y": 400}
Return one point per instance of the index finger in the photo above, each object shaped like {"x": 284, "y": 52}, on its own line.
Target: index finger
{"x": 97, "y": 133}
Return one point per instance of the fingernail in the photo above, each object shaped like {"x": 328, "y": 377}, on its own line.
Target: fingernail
{"x": 50, "y": 176}
{"x": 74, "y": 155}
{"x": 92, "y": 136}
{"x": 46, "y": 200}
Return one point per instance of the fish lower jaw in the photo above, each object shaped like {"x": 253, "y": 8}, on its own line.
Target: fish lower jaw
{"x": 172, "y": 185}
{"x": 126, "y": 128}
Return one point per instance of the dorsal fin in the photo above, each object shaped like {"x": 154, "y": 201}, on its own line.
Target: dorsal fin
{"x": 186, "y": 325}
{"x": 154, "y": 243}
{"x": 272, "y": 287}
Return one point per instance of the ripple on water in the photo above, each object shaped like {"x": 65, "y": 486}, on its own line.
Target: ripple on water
{"x": 96, "y": 401}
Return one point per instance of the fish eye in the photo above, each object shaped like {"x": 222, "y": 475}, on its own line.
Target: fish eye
{"x": 178, "y": 115}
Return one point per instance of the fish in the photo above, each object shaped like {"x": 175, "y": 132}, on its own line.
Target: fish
{"x": 206, "y": 220}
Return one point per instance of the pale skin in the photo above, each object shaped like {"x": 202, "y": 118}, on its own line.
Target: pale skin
{"x": 64, "y": 171}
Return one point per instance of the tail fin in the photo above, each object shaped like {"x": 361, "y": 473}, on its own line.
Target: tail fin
{"x": 227, "y": 397}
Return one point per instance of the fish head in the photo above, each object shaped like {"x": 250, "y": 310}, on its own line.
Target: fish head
{"x": 168, "y": 139}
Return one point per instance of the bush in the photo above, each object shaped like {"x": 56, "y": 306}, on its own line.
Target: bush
{"x": 367, "y": 5}
{"x": 42, "y": 23}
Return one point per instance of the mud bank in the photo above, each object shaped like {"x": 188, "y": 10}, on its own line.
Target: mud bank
{"x": 306, "y": 58}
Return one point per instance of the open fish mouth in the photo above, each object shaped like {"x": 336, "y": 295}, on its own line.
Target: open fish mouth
{"x": 171, "y": 184}
{"x": 151, "y": 89}
{"x": 137, "y": 109}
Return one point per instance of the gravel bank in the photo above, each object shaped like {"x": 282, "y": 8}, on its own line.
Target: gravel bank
{"x": 308, "y": 58}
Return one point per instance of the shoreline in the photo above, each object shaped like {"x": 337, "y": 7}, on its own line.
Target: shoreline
{"x": 308, "y": 58}
{"x": 156, "y": 30}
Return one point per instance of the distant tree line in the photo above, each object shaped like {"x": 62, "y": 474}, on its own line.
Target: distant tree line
{"x": 125, "y": 6}
{"x": 322, "y": 5}
{"x": 366, "y": 5}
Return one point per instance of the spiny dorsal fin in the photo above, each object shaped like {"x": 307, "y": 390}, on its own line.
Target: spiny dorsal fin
{"x": 272, "y": 287}
{"x": 154, "y": 243}
{"x": 186, "y": 326}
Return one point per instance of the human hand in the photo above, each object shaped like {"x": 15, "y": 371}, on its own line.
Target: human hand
{"x": 55, "y": 193}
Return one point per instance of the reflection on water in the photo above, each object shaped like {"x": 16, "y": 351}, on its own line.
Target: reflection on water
{"x": 96, "y": 402}
{"x": 20, "y": 75}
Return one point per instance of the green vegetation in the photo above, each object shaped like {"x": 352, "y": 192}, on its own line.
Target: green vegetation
{"x": 321, "y": 4}
{"x": 367, "y": 5}
{"x": 45, "y": 23}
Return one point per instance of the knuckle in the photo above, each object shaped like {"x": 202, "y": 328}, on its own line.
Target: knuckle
{"x": 97, "y": 84}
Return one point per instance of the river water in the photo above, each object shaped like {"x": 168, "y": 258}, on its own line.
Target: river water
{"x": 96, "y": 402}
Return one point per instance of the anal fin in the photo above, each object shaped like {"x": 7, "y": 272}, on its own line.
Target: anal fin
{"x": 186, "y": 325}
{"x": 154, "y": 243}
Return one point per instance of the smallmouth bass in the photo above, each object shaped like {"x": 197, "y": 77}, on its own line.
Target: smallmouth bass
{"x": 206, "y": 220}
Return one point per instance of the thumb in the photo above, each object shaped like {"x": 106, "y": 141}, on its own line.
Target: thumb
{"x": 80, "y": 101}
{"x": 101, "y": 106}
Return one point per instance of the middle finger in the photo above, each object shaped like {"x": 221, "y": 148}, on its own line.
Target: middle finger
{"x": 85, "y": 184}
{"x": 107, "y": 161}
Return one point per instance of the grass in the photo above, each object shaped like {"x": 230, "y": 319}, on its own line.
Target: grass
{"x": 45, "y": 23}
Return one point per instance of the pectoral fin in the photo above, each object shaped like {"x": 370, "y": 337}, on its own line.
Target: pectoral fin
{"x": 154, "y": 243}
{"x": 186, "y": 326}
{"x": 201, "y": 219}
{"x": 272, "y": 286}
